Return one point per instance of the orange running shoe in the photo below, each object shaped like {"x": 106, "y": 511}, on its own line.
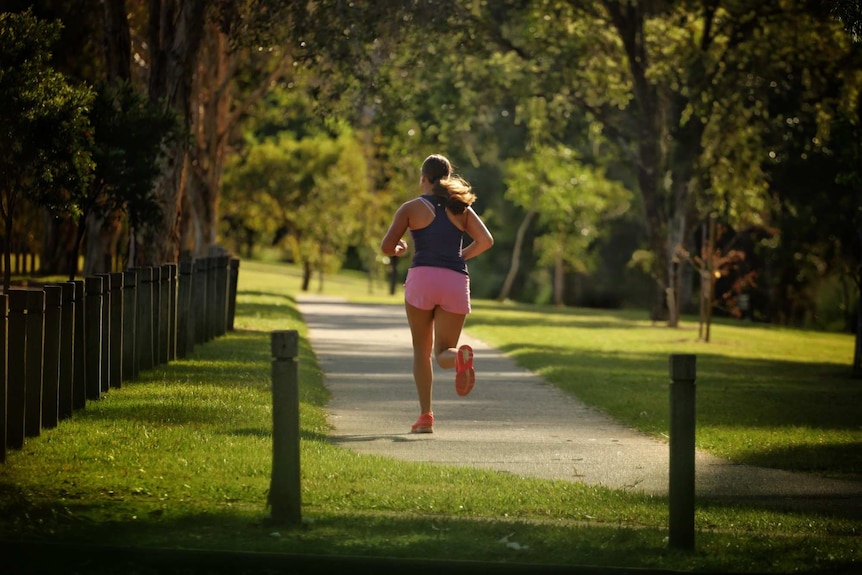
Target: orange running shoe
{"x": 425, "y": 424}
{"x": 465, "y": 375}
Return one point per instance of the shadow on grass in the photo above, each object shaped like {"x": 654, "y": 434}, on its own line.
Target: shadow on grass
{"x": 797, "y": 400}
{"x": 81, "y": 539}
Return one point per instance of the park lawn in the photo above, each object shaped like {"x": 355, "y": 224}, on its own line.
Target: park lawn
{"x": 765, "y": 395}
{"x": 181, "y": 457}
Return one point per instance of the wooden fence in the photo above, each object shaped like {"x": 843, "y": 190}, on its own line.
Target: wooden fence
{"x": 64, "y": 344}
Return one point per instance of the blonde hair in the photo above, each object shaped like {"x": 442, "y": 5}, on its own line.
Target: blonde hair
{"x": 457, "y": 191}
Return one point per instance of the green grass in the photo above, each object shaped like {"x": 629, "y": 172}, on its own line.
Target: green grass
{"x": 181, "y": 457}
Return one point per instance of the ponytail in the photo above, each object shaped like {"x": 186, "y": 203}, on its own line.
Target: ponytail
{"x": 454, "y": 190}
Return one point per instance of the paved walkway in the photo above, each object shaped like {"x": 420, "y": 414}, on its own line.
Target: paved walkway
{"x": 513, "y": 421}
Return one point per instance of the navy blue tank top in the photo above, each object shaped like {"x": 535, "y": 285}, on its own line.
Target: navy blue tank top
{"x": 439, "y": 243}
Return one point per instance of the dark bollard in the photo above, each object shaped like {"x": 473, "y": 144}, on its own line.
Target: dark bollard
{"x": 212, "y": 291}
{"x": 221, "y": 288}
{"x": 16, "y": 368}
{"x": 158, "y": 317}
{"x": 115, "y": 362}
{"x": 51, "y": 357}
{"x": 199, "y": 299}
{"x": 79, "y": 362}
{"x": 106, "y": 332}
{"x": 284, "y": 490}
{"x": 232, "y": 287}
{"x": 130, "y": 314}
{"x": 172, "y": 311}
{"x": 93, "y": 337}
{"x": 185, "y": 322}
{"x": 682, "y": 426}
{"x": 144, "y": 340}
{"x": 33, "y": 370}
{"x": 4, "y": 326}
{"x": 67, "y": 351}
{"x": 164, "y": 314}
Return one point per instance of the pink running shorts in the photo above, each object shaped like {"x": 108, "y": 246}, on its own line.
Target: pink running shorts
{"x": 427, "y": 287}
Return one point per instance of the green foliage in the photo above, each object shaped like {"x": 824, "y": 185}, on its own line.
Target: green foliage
{"x": 130, "y": 134}
{"x": 303, "y": 194}
{"x": 45, "y": 151}
{"x": 571, "y": 199}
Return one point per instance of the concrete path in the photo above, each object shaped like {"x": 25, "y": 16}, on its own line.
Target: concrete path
{"x": 513, "y": 421}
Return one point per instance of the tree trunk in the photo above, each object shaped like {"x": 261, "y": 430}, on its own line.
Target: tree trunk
{"x": 176, "y": 30}
{"x": 516, "y": 256}
{"x": 57, "y": 245}
{"x": 211, "y": 124}
{"x": 118, "y": 43}
{"x": 667, "y": 150}
{"x": 306, "y": 275}
{"x": 559, "y": 278}
{"x": 100, "y": 246}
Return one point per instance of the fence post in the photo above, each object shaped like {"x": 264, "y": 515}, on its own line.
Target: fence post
{"x": 51, "y": 357}
{"x": 221, "y": 288}
{"x": 144, "y": 339}
{"x": 199, "y": 299}
{"x": 79, "y": 362}
{"x": 106, "y": 332}
{"x": 284, "y": 490}
{"x": 164, "y": 314}
{"x": 172, "y": 311}
{"x": 185, "y": 321}
{"x": 117, "y": 318}
{"x": 156, "y": 311}
{"x": 231, "y": 295}
{"x": 93, "y": 337}
{"x": 4, "y": 381}
{"x": 67, "y": 350}
{"x": 33, "y": 373}
{"x": 16, "y": 386}
{"x": 682, "y": 426}
{"x": 130, "y": 314}
{"x": 212, "y": 290}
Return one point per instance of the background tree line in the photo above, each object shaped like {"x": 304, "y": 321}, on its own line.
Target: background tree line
{"x": 624, "y": 152}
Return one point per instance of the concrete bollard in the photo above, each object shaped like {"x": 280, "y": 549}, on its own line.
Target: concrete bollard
{"x": 231, "y": 296}
{"x": 173, "y": 274}
{"x": 67, "y": 351}
{"x": 118, "y": 314}
{"x": 284, "y": 491}
{"x": 221, "y": 288}
{"x": 51, "y": 357}
{"x": 165, "y": 313}
{"x": 106, "y": 332}
{"x": 682, "y": 428}
{"x": 145, "y": 321}
{"x": 33, "y": 371}
{"x": 185, "y": 321}
{"x": 16, "y": 368}
{"x": 212, "y": 291}
{"x": 79, "y": 361}
{"x": 4, "y": 326}
{"x": 199, "y": 299}
{"x": 93, "y": 336}
{"x": 130, "y": 316}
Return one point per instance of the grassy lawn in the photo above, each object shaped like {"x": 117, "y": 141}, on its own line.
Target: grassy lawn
{"x": 181, "y": 457}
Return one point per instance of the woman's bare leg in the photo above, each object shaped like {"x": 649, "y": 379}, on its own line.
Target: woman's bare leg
{"x": 447, "y": 332}
{"x": 422, "y": 330}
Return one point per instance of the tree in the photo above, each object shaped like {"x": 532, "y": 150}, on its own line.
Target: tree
{"x": 571, "y": 200}
{"x": 849, "y": 12}
{"x": 303, "y": 194}
{"x": 45, "y": 151}
{"x": 129, "y": 134}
